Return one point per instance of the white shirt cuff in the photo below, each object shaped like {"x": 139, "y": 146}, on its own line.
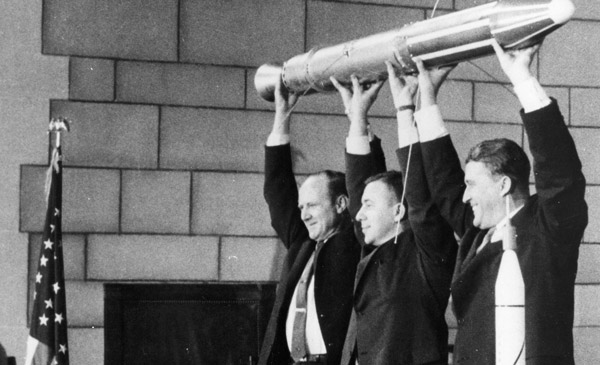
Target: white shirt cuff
{"x": 407, "y": 130}
{"x": 430, "y": 123}
{"x": 278, "y": 139}
{"x": 531, "y": 95}
{"x": 358, "y": 145}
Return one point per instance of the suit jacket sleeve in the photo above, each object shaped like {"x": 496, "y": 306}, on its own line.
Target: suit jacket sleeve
{"x": 434, "y": 236}
{"x": 281, "y": 193}
{"x": 358, "y": 169}
{"x": 445, "y": 179}
{"x": 378, "y": 157}
{"x": 559, "y": 180}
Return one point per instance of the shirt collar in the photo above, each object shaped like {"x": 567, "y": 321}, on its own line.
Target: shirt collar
{"x": 499, "y": 229}
{"x": 498, "y": 233}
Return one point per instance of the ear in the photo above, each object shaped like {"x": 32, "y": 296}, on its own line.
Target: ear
{"x": 506, "y": 185}
{"x": 399, "y": 211}
{"x": 341, "y": 203}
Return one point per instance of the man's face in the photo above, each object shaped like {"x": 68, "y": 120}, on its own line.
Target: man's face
{"x": 317, "y": 211}
{"x": 484, "y": 193}
{"x": 376, "y": 215}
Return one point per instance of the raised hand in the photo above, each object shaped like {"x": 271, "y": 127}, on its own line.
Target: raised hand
{"x": 358, "y": 100}
{"x": 516, "y": 63}
{"x": 403, "y": 87}
{"x": 430, "y": 81}
{"x": 284, "y": 104}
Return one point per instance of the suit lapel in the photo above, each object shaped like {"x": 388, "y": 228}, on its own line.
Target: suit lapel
{"x": 362, "y": 266}
{"x": 470, "y": 260}
{"x": 350, "y": 341}
{"x": 467, "y": 249}
{"x": 473, "y": 249}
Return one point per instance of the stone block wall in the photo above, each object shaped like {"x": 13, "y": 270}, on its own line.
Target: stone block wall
{"x": 164, "y": 163}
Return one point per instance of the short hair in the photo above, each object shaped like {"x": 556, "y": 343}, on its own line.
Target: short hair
{"x": 392, "y": 179}
{"x": 503, "y": 157}
{"x": 336, "y": 183}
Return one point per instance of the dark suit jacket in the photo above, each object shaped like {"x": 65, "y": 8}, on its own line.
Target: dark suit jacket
{"x": 549, "y": 230}
{"x": 334, "y": 274}
{"x": 401, "y": 290}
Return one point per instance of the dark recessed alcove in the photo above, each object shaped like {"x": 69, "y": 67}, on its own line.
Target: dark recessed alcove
{"x": 185, "y": 324}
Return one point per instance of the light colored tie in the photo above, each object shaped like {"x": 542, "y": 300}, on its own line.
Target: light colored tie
{"x": 299, "y": 348}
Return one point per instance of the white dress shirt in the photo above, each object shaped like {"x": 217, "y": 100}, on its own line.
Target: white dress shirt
{"x": 314, "y": 338}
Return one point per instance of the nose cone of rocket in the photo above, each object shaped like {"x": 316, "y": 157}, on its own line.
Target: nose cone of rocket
{"x": 517, "y": 24}
{"x": 561, "y": 11}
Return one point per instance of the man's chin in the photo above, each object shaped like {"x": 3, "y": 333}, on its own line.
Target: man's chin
{"x": 316, "y": 236}
{"x": 482, "y": 226}
{"x": 367, "y": 240}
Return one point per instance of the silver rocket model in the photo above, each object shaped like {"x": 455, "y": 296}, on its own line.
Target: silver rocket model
{"x": 444, "y": 40}
{"x": 510, "y": 303}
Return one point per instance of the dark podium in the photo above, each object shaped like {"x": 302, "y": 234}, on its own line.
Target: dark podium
{"x": 185, "y": 324}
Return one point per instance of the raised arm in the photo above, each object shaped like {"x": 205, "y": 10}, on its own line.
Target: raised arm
{"x": 559, "y": 181}
{"x": 433, "y": 235}
{"x": 280, "y": 189}
{"x": 441, "y": 164}
{"x": 361, "y": 161}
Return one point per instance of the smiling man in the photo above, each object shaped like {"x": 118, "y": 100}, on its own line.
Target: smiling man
{"x": 314, "y": 298}
{"x": 403, "y": 279}
{"x": 549, "y": 224}
{"x": 495, "y": 169}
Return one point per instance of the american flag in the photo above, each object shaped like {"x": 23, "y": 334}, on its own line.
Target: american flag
{"x": 47, "y": 342}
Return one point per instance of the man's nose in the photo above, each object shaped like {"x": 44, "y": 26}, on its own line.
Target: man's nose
{"x": 360, "y": 215}
{"x": 466, "y": 196}
{"x": 304, "y": 215}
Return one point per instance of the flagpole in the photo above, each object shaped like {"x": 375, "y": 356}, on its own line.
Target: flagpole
{"x": 55, "y": 127}
{"x": 47, "y": 342}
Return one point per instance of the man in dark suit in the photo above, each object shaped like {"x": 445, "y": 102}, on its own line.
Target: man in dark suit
{"x": 314, "y": 297}
{"x": 549, "y": 225}
{"x": 403, "y": 279}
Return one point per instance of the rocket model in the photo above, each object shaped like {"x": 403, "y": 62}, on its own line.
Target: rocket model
{"x": 510, "y": 304}
{"x": 444, "y": 40}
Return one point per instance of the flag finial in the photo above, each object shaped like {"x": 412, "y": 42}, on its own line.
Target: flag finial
{"x": 58, "y": 125}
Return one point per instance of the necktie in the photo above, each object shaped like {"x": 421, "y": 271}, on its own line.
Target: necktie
{"x": 299, "y": 348}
